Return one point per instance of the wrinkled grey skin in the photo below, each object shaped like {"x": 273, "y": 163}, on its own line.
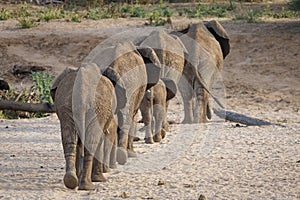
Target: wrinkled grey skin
{"x": 62, "y": 93}
{"x": 171, "y": 54}
{"x": 153, "y": 109}
{"x": 132, "y": 71}
{"x": 208, "y": 45}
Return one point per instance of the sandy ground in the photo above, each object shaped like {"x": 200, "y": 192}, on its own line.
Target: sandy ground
{"x": 218, "y": 159}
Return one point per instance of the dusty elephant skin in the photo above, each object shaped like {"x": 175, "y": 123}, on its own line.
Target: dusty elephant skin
{"x": 170, "y": 51}
{"x": 153, "y": 109}
{"x": 98, "y": 118}
{"x": 129, "y": 69}
{"x": 208, "y": 45}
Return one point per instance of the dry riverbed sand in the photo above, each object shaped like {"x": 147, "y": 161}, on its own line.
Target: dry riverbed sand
{"x": 219, "y": 160}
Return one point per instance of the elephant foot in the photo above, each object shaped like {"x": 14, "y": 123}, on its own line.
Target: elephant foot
{"x": 113, "y": 166}
{"x": 122, "y": 156}
{"x": 131, "y": 153}
{"x": 106, "y": 169}
{"x": 149, "y": 140}
{"x": 157, "y": 138}
{"x": 98, "y": 178}
{"x": 86, "y": 186}
{"x": 71, "y": 180}
{"x": 163, "y": 133}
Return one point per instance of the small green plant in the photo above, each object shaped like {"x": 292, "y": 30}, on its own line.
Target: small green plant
{"x": 5, "y": 14}
{"x": 204, "y": 10}
{"x": 26, "y": 22}
{"x": 156, "y": 19}
{"x": 158, "y": 15}
{"x": 23, "y": 10}
{"x": 52, "y": 13}
{"x": 93, "y": 13}
{"x": 76, "y": 18}
{"x": 285, "y": 13}
{"x": 164, "y": 11}
{"x": 133, "y": 10}
{"x": 41, "y": 85}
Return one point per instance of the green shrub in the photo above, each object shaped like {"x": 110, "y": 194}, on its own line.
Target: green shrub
{"x": 204, "y": 10}
{"x": 93, "y": 13}
{"x": 76, "y": 18}
{"x": 133, "y": 10}
{"x": 41, "y": 85}
{"x": 23, "y": 10}
{"x": 52, "y": 13}
{"x": 26, "y": 22}
{"x": 156, "y": 19}
{"x": 158, "y": 15}
{"x": 5, "y": 14}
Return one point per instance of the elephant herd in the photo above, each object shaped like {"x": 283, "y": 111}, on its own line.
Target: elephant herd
{"x": 97, "y": 103}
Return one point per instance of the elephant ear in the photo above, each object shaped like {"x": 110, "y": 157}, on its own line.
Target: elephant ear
{"x": 171, "y": 88}
{"x": 185, "y": 51}
{"x": 152, "y": 63}
{"x": 59, "y": 79}
{"x": 119, "y": 85}
{"x": 220, "y": 34}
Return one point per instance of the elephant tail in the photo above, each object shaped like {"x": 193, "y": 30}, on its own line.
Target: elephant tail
{"x": 206, "y": 88}
{"x": 83, "y": 97}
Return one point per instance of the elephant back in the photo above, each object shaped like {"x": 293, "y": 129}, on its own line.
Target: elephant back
{"x": 170, "y": 52}
{"x": 205, "y": 54}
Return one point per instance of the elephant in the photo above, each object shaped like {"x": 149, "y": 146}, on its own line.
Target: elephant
{"x": 153, "y": 109}
{"x": 208, "y": 45}
{"x": 75, "y": 99}
{"x": 132, "y": 70}
{"x": 171, "y": 54}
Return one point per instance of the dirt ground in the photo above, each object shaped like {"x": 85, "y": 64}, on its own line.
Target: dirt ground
{"x": 261, "y": 77}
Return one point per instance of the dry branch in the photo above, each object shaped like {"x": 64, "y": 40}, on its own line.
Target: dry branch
{"x": 28, "y": 107}
{"x": 240, "y": 118}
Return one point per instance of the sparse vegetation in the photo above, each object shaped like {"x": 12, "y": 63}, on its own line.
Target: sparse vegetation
{"x": 133, "y": 10}
{"x": 5, "y": 14}
{"x": 157, "y": 13}
{"x": 204, "y": 10}
{"x": 41, "y": 85}
{"x": 38, "y": 93}
{"x": 254, "y": 15}
{"x": 26, "y": 22}
{"x": 51, "y": 13}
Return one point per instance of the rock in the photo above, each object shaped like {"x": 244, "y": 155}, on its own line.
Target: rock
{"x": 202, "y": 197}
{"x": 4, "y": 85}
{"x": 160, "y": 182}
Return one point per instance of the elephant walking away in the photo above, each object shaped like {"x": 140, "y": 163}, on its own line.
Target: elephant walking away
{"x": 85, "y": 111}
{"x": 207, "y": 44}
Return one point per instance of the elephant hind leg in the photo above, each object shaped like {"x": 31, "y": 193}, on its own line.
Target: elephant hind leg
{"x": 159, "y": 113}
{"x": 97, "y": 175}
{"x": 187, "y": 94}
{"x": 86, "y": 180}
{"x": 203, "y": 105}
{"x": 69, "y": 141}
{"x": 70, "y": 179}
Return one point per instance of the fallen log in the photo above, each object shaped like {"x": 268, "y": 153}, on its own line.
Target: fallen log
{"x": 240, "y": 118}
{"x": 28, "y": 107}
